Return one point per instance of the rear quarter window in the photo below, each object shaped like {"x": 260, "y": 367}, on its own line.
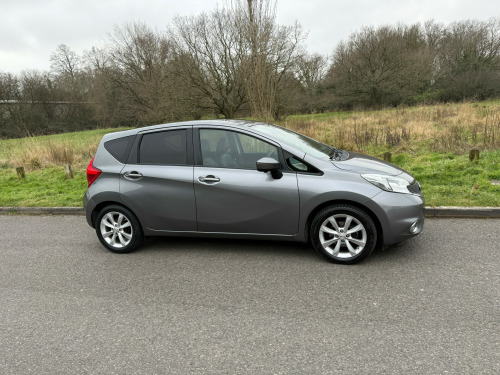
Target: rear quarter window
{"x": 120, "y": 148}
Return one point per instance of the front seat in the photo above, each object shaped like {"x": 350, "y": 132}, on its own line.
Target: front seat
{"x": 226, "y": 159}
{"x": 205, "y": 154}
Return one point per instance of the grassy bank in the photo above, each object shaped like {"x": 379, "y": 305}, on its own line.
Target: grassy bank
{"x": 47, "y": 187}
{"x": 44, "y": 158}
{"x": 35, "y": 153}
{"x": 431, "y": 142}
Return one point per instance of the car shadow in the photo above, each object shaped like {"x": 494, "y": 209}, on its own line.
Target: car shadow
{"x": 217, "y": 246}
{"x": 401, "y": 252}
{"x": 228, "y": 246}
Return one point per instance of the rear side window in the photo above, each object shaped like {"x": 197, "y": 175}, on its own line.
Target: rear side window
{"x": 165, "y": 148}
{"x": 120, "y": 148}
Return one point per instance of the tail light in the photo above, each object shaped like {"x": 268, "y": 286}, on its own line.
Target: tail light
{"x": 92, "y": 172}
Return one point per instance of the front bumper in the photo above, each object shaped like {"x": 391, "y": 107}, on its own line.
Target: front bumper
{"x": 401, "y": 216}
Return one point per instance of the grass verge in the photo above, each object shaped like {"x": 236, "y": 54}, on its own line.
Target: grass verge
{"x": 432, "y": 143}
{"x": 453, "y": 180}
{"x": 47, "y": 187}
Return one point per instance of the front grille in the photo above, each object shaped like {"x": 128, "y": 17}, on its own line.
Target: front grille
{"x": 415, "y": 188}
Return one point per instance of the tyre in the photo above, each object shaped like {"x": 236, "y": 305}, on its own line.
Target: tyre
{"x": 343, "y": 234}
{"x": 118, "y": 229}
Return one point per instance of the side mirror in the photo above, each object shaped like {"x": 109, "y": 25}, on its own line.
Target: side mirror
{"x": 270, "y": 165}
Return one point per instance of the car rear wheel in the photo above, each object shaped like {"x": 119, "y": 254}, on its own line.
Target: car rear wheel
{"x": 343, "y": 234}
{"x": 118, "y": 229}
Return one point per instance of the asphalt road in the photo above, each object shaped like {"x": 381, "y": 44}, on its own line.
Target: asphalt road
{"x": 197, "y": 306}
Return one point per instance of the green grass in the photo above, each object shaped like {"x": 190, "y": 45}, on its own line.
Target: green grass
{"x": 83, "y": 143}
{"x": 447, "y": 178}
{"x": 46, "y": 187}
{"x": 452, "y": 180}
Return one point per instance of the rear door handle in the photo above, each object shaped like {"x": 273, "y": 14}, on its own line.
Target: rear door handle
{"x": 210, "y": 179}
{"x": 133, "y": 175}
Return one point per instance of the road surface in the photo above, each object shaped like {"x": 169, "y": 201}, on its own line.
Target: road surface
{"x": 198, "y": 306}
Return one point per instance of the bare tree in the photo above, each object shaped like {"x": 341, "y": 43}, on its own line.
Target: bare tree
{"x": 67, "y": 74}
{"x": 37, "y": 115}
{"x": 270, "y": 55}
{"x": 104, "y": 94}
{"x": 70, "y": 84}
{"x": 310, "y": 72}
{"x": 469, "y": 60}
{"x": 64, "y": 61}
{"x": 208, "y": 52}
{"x": 381, "y": 66}
{"x": 138, "y": 66}
{"x": 10, "y": 114}
{"x": 34, "y": 103}
{"x": 238, "y": 54}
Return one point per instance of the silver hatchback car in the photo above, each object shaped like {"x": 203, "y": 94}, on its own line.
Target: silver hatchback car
{"x": 248, "y": 180}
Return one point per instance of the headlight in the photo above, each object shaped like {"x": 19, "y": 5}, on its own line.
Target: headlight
{"x": 388, "y": 183}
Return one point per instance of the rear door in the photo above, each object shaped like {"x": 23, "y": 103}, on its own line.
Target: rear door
{"x": 158, "y": 183}
{"x": 231, "y": 195}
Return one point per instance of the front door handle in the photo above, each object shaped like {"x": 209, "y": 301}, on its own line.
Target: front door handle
{"x": 210, "y": 179}
{"x": 132, "y": 176}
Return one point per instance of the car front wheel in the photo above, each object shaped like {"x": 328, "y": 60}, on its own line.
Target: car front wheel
{"x": 118, "y": 229}
{"x": 343, "y": 234}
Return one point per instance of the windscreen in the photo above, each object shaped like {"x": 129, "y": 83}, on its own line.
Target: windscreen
{"x": 296, "y": 140}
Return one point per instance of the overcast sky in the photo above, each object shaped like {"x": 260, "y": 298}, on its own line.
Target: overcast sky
{"x": 30, "y": 30}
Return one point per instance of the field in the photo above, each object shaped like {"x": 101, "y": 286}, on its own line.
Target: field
{"x": 431, "y": 142}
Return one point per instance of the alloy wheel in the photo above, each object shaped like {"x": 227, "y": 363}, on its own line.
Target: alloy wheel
{"x": 116, "y": 229}
{"x": 342, "y": 236}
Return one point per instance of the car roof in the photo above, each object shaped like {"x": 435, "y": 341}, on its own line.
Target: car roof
{"x": 212, "y": 123}
{"x": 217, "y": 122}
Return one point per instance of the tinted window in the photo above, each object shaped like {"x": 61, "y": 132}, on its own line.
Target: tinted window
{"x": 165, "y": 148}
{"x": 120, "y": 147}
{"x": 228, "y": 149}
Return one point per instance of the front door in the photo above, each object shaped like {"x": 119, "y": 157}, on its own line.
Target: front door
{"x": 232, "y": 196}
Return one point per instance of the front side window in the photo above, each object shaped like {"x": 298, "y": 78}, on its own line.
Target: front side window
{"x": 164, "y": 148}
{"x": 228, "y": 149}
{"x": 300, "y": 142}
{"x": 299, "y": 165}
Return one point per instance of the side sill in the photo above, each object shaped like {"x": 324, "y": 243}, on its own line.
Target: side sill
{"x": 255, "y": 236}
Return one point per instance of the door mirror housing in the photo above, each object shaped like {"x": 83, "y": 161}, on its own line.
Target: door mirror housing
{"x": 270, "y": 165}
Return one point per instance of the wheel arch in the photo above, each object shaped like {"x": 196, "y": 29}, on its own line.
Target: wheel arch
{"x": 313, "y": 213}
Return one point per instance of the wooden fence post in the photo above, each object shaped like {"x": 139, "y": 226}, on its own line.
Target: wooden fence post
{"x": 68, "y": 171}
{"x": 20, "y": 172}
{"x": 388, "y": 157}
{"x": 474, "y": 155}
